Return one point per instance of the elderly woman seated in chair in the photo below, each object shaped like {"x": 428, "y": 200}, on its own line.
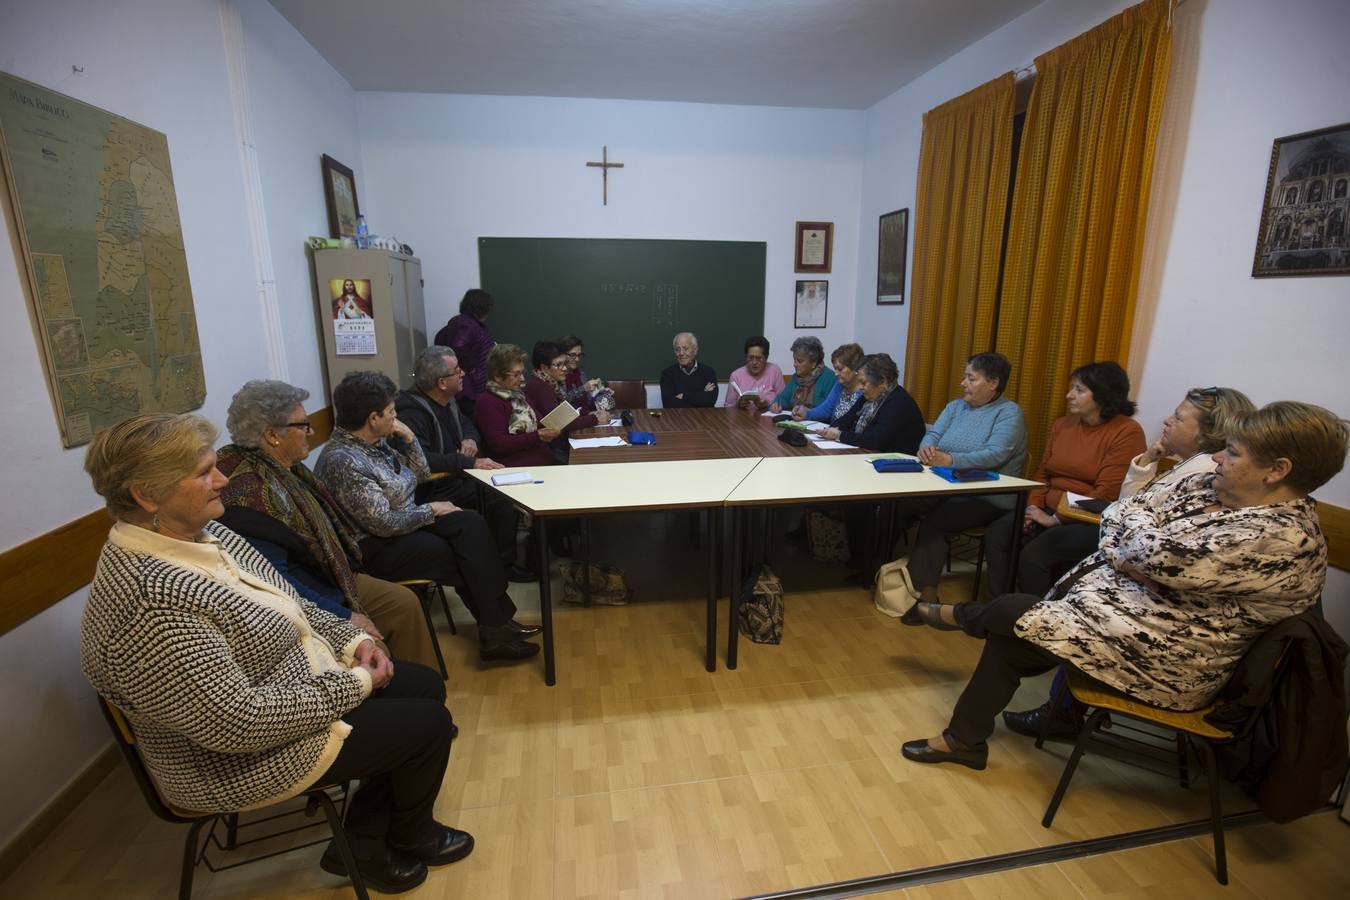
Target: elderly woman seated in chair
{"x": 1184, "y": 581}
{"x": 279, "y": 507}
{"x": 240, "y": 692}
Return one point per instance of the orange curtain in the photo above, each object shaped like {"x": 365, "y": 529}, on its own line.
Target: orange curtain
{"x": 1080, "y": 201}
{"x": 964, "y": 165}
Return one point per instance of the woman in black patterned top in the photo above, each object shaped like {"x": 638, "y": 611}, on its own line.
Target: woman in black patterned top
{"x": 242, "y": 693}
{"x": 1183, "y": 583}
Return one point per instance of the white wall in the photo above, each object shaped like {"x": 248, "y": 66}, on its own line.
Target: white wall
{"x": 443, "y": 170}
{"x": 178, "y": 85}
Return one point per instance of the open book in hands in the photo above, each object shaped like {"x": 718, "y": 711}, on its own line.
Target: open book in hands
{"x": 562, "y": 415}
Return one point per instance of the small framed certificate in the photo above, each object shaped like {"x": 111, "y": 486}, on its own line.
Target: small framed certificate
{"x": 814, "y": 243}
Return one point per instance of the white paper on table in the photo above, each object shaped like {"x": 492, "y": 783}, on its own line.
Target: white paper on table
{"x": 771, "y": 413}
{"x": 814, "y": 438}
{"x": 1073, "y": 498}
{"x": 584, "y": 443}
{"x": 812, "y": 425}
{"x": 832, "y": 445}
{"x": 612, "y": 423}
{"x": 512, "y": 478}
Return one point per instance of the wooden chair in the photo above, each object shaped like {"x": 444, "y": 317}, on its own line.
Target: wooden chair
{"x": 629, "y": 394}
{"x": 426, "y": 590}
{"x": 125, "y": 738}
{"x": 1192, "y": 731}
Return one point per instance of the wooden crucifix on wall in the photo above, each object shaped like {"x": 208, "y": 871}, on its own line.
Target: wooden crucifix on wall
{"x": 604, "y": 166}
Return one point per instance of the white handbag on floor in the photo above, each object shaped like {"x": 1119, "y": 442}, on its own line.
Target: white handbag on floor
{"x": 891, "y": 594}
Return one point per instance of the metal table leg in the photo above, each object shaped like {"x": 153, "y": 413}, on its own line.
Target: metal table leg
{"x": 714, "y": 523}
{"x": 1019, "y": 513}
{"x": 546, "y": 601}
{"x": 737, "y": 576}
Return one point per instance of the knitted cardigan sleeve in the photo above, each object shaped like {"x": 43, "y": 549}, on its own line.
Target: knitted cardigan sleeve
{"x": 172, "y": 662}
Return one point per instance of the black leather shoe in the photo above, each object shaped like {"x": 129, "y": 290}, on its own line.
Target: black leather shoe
{"x": 447, "y": 846}
{"x": 507, "y": 651}
{"x": 1064, "y": 724}
{"x": 392, "y": 873}
{"x": 522, "y": 630}
{"x": 929, "y": 614}
{"x": 921, "y": 752}
{"x": 520, "y": 575}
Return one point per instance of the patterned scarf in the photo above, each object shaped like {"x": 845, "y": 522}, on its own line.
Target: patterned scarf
{"x": 577, "y": 395}
{"x": 802, "y": 395}
{"x": 300, "y": 502}
{"x": 846, "y": 402}
{"x": 522, "y": 414}
{"x": 870, "y": 409}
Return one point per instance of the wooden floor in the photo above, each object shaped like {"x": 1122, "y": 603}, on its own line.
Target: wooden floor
{"x": 642, "y": 775}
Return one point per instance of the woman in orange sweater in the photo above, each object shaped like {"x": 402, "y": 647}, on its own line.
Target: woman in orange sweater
{"x": 1089, "y": 452}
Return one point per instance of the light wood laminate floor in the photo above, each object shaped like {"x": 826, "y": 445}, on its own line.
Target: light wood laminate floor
{"x": 642, "y": 775}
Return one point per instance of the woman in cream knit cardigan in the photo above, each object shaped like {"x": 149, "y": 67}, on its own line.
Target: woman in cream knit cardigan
{"x": 241, "y": 693}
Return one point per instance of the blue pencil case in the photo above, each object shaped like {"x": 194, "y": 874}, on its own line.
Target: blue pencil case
{"x": 957, "y": 476}
{"x": 897, "y": 465}
{"x": 641, "y": 437}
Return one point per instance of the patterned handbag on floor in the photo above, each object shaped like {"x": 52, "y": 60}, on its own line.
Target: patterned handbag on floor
{"x": 761, "y": 610}
{"x": 607, "y": 583}
{"x": 826, "y": 537}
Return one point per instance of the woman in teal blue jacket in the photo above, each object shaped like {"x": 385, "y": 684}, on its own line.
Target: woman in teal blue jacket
{"x": 811, "y": 381}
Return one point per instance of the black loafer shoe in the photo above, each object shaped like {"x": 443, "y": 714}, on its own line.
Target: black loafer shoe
{"x": 507, "y": 651}
{"x": 449, "y": 845}
{"x": 394, "y": 873}
{"x": 520, "y": 575}
{"x": 929, "y": 614}
{"x": 1063, "y": 725}
{"x": 921, "y": 752}
{"x": 524, "y": 631}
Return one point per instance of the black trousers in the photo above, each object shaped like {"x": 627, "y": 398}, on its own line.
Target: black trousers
{"x": 496, "y": 510}
{"x": 1047, "y": 553}
{"x": 398, "y": 748}
{"x": 1006, "y": 660}
{"x": 455, "y": 549}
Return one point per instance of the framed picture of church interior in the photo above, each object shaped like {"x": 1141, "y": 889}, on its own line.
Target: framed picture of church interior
{"x": 1303, "y": 219}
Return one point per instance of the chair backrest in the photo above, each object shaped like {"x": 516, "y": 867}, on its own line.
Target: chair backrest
{"x": 126, "y": 742}
{"x": 629, "y": 394}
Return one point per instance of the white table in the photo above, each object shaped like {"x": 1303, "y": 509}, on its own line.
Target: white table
{"x": 607, "y": 488}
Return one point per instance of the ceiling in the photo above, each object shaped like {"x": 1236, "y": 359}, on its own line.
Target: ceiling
{"x": 844, "y": 54}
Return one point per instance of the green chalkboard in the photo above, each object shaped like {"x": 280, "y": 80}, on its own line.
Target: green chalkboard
{"x": 626, "y": 298}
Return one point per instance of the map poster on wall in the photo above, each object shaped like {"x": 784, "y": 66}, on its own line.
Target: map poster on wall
{"x": 353, "y": 316}
{"x": 98, "y": 221}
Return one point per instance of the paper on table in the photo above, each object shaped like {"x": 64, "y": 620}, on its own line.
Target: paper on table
{"x": 582, "y": 443}
{"x": 612, "y": 423}
{"x": 772, "y": 413}
{"x": 562, "y": 415}
{"x": 832, "y": 445}
{"x": 1074, "y": 498}
{"x": 813, "y": 425}
{"x": 512, "y": 478}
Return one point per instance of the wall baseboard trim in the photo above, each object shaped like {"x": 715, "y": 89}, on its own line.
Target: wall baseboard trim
{"x": 42, "y": 572}
{"x": 31, "y": 836}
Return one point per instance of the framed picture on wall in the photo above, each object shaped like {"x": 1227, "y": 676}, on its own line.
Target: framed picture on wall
{"x": 813, "y": 301}
{"x": 813, "y": 245}
{"x": 1303, "y": 218}
{"x": 339, "y": 190}
{"x": 892, "y": 245}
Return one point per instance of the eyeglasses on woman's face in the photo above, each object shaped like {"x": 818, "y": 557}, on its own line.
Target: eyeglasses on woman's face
{"x": 515, "y": 373}
{"x": 304, "y": 426}
{"x": 575, "y": 355}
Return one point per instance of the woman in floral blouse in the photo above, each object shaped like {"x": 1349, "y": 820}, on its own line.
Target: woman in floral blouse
{"x": 1183, "y": 583}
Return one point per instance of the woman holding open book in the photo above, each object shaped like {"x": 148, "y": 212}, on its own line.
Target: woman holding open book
{"x": 508, "y": 423}
{"x": 547, "y": 392}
